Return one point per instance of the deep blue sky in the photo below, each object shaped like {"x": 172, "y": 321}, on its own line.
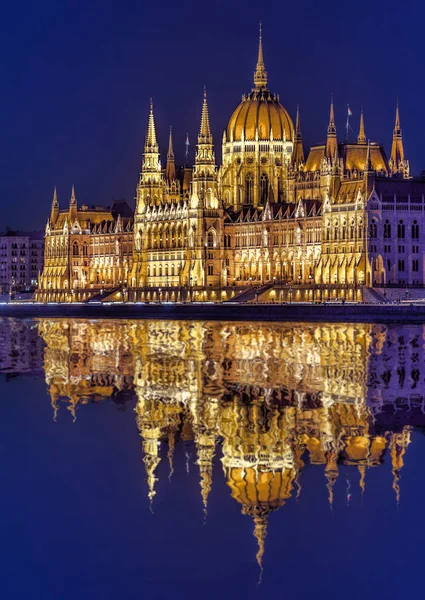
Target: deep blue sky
{"x": 77, "y": 78}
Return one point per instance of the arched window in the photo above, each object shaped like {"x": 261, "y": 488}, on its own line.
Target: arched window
{"x": 249, "y": 188}
{"x": 75, "y": 249}
{"x": 387, "y": 229}
{"x": 328, "y": 232}
{"x": 373, "y": 229}
{"x": 400, "y": 230}
{"x": 210, "y": 270}
{"x": 336, "y": 231}
{"x": 148, "y": 271}
{"x": 352, "y": 230}
{"x": 85, "y": 249}
{"x": 264, "y": 188}
{"x": 210, "y": 239}
{"x": 160, "y": 271}
{"x": 415, "y": 230}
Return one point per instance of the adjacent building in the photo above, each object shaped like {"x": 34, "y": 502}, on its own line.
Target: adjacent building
{"x": 290, "y": 224}
{"x": 21, "y": 260}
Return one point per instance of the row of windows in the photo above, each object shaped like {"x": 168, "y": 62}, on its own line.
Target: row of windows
{"x": 401, "y": 230}
{"x": 401, "y": 265}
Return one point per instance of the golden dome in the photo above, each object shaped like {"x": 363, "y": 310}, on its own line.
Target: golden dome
{"x": 262, "y": 111}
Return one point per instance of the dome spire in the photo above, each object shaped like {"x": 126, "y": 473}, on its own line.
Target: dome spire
{"x": 260, "y": 74}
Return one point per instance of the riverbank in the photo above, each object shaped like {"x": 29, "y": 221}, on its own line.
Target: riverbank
{"x": 329, "y": 312}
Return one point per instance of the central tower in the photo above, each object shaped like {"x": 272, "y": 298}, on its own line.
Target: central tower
{"x": 257, "y": 145}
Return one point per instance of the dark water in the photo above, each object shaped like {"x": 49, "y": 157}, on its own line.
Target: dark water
{"x": 204, "y": 460}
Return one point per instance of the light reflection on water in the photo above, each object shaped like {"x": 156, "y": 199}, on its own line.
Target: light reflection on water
{"x": 263, "y": 399}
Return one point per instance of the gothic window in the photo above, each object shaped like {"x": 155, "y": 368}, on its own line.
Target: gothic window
{"x": 154, "y": 272}
{"x": 336, "y": 231}
{"x": 249, "y": 188}
{"x": 85, "y": 249}
{"x": 264, "y": 188}
{"x": 328, "y": 232}
{"x": 415, "y": 230}
{"x": 227, "y": 261}
{"x": 210, "y": 239}
{"x": 400, "y": 230}
{"x": 75, "y": 250}
{"x": 160, "y": 271}
{"x": 387, "y": 229}
{"x": 149, "y": 271}
{"x": 373, "y": 230}
{"x": 210, "y": 270}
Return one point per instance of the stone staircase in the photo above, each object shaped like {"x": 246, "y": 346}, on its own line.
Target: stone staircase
{"x": 250, "y": 294}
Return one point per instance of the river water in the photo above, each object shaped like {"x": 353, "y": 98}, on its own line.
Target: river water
{"x": 155, "y": 459}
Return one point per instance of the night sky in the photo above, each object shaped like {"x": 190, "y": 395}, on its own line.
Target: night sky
{"x": 77, "y": 78}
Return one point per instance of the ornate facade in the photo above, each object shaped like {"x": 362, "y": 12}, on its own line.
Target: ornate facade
{"x": 269, "y": 222}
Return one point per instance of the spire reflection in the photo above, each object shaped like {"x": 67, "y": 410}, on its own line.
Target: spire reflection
{"x": 261, "y": 400}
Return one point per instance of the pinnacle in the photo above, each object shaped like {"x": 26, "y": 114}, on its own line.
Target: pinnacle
{"x": 205, "y": 130}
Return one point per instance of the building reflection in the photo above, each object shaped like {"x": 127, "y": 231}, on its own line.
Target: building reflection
{"x": 264, "y": 399}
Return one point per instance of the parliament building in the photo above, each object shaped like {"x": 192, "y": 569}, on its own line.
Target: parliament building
{"x": 269, "y": 224}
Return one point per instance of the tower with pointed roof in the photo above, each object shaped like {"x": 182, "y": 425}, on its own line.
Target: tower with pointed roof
{"x": 54, "y": 213}
{"x": 298, "y": 151}
{"x": 205, "y": 234}
{"x": 170, "y": 170}
{"x": 361, "y": 138}
{"x": 398, "y": 164}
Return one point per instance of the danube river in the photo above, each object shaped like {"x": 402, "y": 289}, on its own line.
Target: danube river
{"x": 158, "y": 459}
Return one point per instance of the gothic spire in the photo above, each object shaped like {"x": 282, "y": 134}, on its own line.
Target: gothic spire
{"x": 204, "y": 132}
{"x": 73, "y": 201}
{"x": 260, "y": 74}
{"x": 298, "y": 152}
{"x": 151, "y": 158}
{"x": 361, "y": 138}
{"x": 55, "y": 202}
{"x": 331, "y": 142}
{"x": 73, "y": 206}
{"x": 151, "y": 141}
{"x": 170, "y": 170}
{"x": 55, "y": 208}
{"x": 397, "y": 150}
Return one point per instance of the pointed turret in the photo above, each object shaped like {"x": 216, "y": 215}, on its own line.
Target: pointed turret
{"x": 151, "y": 141}
{"x": 205, "y": 131}
{"x": 170, "y": 170}
{"x": 361, "y": 138}
{"x": 73, "y": 206}
{"x": 298, "y": 151}
{"x": 260, "y": 74}
{"x": 205, "y": 159}
{"x": 331, "y": 141}
{"x": 398, "y": 164}
{"x": 55, "y": 209}
{"x": 151, "y": 158}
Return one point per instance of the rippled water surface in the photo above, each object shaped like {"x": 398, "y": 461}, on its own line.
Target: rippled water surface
{"x": 203, "y": 460}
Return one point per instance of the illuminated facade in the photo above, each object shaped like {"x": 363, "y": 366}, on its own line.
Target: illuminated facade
{"x": 308, "y": 227}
